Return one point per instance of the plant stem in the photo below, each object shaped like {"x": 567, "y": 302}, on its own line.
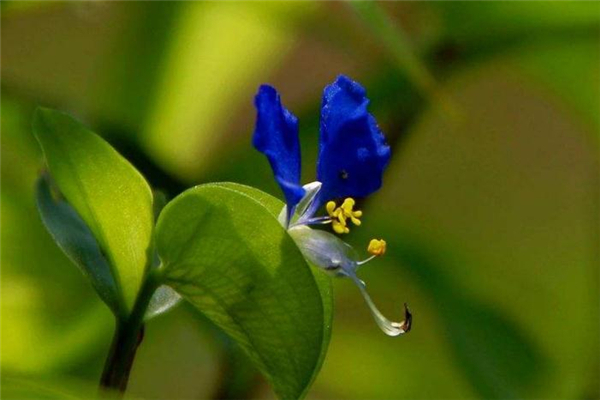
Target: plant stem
{"x": 129, "y": 333}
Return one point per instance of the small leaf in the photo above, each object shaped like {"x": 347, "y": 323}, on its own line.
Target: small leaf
{"x": 107, "y": 192}
{"x": 77, "y": 241}
{"x": 162, "y": 301}
{"x": 224, "y": 251}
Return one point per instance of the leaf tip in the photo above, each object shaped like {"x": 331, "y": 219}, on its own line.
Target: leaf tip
{"x": 40, "y": 117}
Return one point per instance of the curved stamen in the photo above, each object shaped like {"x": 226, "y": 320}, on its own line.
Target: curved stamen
{"x": 313, "y": 221}
{"x": 388, "y": 327}
{"x": 376, "y": 248}
{"x": 365, "y": 260}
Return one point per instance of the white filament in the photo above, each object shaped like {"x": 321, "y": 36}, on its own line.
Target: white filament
{"x": 388, "y": 327}
{"x": 330, "y": 253}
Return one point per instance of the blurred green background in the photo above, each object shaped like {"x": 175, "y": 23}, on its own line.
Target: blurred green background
{"x": 490, "y": 205}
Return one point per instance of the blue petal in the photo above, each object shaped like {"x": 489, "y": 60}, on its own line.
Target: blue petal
{"x": 353, "y": 152}
{"x": 276, "y": 136}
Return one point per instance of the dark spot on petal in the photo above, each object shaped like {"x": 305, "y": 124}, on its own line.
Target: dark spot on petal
{"x": 343, "y": 174}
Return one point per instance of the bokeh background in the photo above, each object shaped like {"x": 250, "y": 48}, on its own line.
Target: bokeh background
{"x": 490, "y": 205}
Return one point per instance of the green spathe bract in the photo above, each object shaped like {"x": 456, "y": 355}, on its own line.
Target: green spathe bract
{"x": 224, "y": 251}
{"x": 107, "y": 192}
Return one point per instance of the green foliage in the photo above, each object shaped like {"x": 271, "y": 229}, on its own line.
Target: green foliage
{"x": 77, "y": 241}
{"x": 476, "y": 23}
{"x": 494, "y": 210}
{"x": 44, "y": 331}
{"x": 187, "y": 106}
{"x": 555, "y": 64}
{"x": 516, "y": 317}
{"x": 108, "y": 193}
{"x": 224, "y": 251}
{"x": 396, "y": 44}
{"x": 253, "y": 284}
{"x": 14, "y": 387}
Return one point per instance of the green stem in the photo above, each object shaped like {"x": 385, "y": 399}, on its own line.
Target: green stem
{"x": 129, "y": 333}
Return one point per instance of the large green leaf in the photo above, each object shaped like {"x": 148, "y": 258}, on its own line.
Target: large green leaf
{"x": 224, "y": 251}
{"x": 107, "y": 192}
{"x": 44, "y": 330}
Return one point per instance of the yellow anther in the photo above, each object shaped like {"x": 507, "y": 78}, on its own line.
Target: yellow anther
{"x": 340, "y": 215}
{"x": 348, "y": 204}
{"x": 330, "y": 208}
{"x": 348, "y": 211}
{"x": 339, "y": 227}
{"x": 377, "y": 247}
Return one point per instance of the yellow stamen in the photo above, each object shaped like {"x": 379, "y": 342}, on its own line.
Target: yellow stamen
{"x": 377, "y": 247}
{"x": 347, "y": 208}
{"x": 341, "y": 214}
{"x": 348, "y": 204}
{"x": 330, "y": 207}
{"x": 339, "y": 227}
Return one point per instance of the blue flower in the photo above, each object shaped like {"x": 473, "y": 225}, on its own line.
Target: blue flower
{"x": 352, "y": 150}
{"x": 353, "y": 155}
{"x": 276, "y": 136}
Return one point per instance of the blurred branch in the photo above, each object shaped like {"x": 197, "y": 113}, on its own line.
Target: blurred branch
{"x": 396, "y": 44}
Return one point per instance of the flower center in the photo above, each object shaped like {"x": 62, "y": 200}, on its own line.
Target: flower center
{"x": 340, "y": 215}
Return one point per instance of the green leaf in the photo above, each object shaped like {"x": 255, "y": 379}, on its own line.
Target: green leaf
{"x": 224, "y": 251}
{"x": 107, "y": 192}
{"x": 56, "y": 388}
{"x": 77, "y": 241}
{"x": 49, "y": 332}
